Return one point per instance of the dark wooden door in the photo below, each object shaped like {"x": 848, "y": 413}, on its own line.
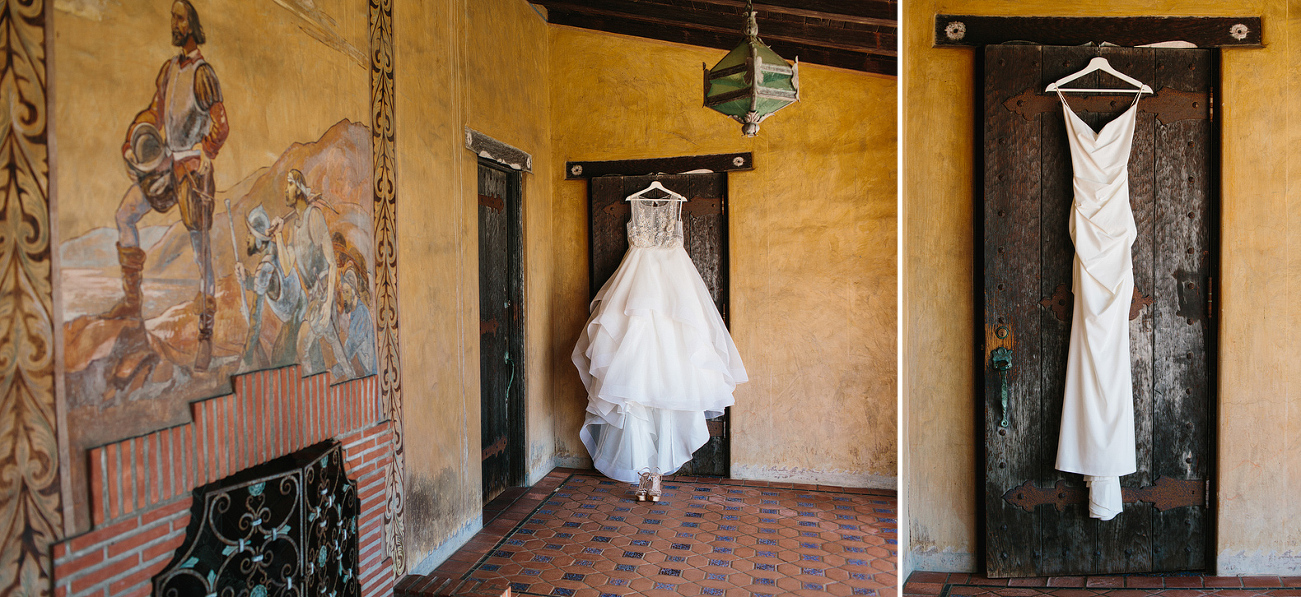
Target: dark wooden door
{"x": 1036, "y": 519}
{"x": 501, "y": 346}
{"x": 704, "y": 229}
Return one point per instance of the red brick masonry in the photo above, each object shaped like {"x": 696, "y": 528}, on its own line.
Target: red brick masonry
{"x": 141, "y": 486}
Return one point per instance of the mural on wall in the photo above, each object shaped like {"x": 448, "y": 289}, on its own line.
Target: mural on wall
{"x": 191, "y": 281}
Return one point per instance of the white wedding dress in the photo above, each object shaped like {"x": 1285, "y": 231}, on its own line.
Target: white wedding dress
{"x": 1097, "y": 437}
{"x": 655, "y": 355}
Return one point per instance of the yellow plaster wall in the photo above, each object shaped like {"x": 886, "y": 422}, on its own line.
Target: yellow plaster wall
{"x": 482, "y": 64}
{"x": 1259, "y": 434}
{"x": 812, "y": 247}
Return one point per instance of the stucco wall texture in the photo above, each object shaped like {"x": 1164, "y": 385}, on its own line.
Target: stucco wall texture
{"x": 812, "y": 247}
{"x": 481, "y": 64}
{"x": 812, "y": 233}
{"x": 1259, "y": 419}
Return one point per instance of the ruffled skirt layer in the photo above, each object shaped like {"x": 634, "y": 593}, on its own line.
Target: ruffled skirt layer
{"x": 657, "y": 361}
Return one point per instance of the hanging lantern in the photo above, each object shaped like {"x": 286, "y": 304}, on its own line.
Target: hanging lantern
{"x": 752, "y": 81}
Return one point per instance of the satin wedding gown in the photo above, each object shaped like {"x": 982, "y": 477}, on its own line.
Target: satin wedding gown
{"x": 655, "y": 356}
{"x": 1097, "y": 437}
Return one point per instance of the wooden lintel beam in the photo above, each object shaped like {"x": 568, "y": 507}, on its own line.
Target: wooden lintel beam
{"x": 723, "y": 162}
{"x": 1204, "y": 32}
{"x": 881, "y": 42}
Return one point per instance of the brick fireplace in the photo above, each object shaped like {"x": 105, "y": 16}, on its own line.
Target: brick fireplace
{"x": 141, "y": 488}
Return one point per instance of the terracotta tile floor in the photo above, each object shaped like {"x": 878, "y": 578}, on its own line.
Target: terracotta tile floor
{"x": 579, "y": 533}
{"x": 931, "y": 584}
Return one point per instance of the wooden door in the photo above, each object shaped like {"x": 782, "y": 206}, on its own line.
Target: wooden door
{"x": 501, "y": 346}
{"x": 1036, "y": 519}
{"x": 704, "y": 229}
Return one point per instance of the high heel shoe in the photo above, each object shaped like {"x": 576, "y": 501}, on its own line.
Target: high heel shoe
{"x": 648, "y": 485}
{"x": 644, "y": 484}
{"x": 654, "y": 492}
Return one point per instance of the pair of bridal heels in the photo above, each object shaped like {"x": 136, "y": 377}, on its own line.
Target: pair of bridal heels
{"x": 648, "y": 486}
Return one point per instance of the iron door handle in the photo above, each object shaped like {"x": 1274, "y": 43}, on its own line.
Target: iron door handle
{"x": 1001, "y": 360}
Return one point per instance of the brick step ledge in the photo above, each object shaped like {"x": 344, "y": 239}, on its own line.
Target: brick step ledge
{"x": 433, "y": 585}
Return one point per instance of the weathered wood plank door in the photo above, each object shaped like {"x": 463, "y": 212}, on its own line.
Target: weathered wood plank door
{"x": 501, "y": 345}
{"x": 704, "y": 229}
{"x": 1036, "y": 517}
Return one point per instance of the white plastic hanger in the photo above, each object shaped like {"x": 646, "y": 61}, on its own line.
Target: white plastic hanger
{"x": 655, "y": 186}
{"x": 1099, "y": 63}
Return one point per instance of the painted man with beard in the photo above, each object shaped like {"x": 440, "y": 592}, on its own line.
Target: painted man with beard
{"x": 304, "y": 247}
{"x": 169, "y": 149}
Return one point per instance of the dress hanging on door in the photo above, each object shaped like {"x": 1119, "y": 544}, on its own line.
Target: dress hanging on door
{"x": 655, "y": 355}
{"x": 1097, "y": 438}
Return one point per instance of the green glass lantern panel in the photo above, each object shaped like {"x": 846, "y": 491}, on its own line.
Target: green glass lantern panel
{"x": 751, "y": 82}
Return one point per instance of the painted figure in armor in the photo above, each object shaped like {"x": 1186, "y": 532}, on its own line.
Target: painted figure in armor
{"x": 169, "y": 151}
{"x": 304, "y": 247}
{"x": 274, "y": 288}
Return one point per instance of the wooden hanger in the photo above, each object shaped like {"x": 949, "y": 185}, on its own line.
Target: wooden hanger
{"x": 1099, "y": 63}
{"x": 655, "y": 186}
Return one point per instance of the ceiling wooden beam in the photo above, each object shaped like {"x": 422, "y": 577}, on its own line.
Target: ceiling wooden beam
{"x": 859, "y": 35}
{"x": 871, "y": 40}
{"x": 807, "y": 52}
{"x": 866, "y": 12}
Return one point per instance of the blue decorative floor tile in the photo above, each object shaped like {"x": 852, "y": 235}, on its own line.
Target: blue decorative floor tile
{"x": 586, "y": 503}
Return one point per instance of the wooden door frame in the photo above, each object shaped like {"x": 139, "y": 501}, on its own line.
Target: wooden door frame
{"x": 707, "y": 164}
{"x": 1009, "y": 26}
{"x": 516, "y": 341}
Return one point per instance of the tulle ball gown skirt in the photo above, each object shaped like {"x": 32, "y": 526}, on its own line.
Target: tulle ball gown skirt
{"x": 657, "y": 361}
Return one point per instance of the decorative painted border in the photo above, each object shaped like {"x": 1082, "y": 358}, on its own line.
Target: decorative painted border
{"x": 386, "y": 267}
{"x": 30, "y": 488}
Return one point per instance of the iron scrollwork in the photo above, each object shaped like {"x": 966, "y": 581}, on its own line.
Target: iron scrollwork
{"x": 284, "y": 528}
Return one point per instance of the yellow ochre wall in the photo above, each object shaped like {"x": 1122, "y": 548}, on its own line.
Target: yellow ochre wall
{"x": 812, "y": 233}
{"x": 481, "y": 64}
{"x": 1258, "y": 469}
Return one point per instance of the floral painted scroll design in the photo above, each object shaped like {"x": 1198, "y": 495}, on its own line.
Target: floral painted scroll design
{"x": 31, "y": 516}
{"x": 386, "y": 267}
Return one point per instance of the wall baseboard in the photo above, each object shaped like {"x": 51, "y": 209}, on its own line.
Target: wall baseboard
{"x": 448, "y": 547}
{"x": 837, "y": 478}
{"x": 1240, "y": 562}
{"x": 579, "y": 462}
{"x": 934, "y": 560}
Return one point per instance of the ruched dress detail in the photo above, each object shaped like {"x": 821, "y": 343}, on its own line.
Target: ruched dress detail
{"x": 1097, "y": 432}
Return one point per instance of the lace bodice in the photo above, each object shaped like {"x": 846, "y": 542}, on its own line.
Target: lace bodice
{"x": 655, "y": 224}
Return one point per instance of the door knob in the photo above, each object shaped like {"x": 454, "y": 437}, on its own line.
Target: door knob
{"x": 1001, "y": 360}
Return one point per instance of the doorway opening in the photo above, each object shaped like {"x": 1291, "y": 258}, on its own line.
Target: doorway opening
{"x": 501, "y": 327}
{"x": 1036, "y": 520}
{"x": 704, "y": 227}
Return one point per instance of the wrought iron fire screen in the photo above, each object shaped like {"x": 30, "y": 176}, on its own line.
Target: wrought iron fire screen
{"x": 284, "y": 528}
